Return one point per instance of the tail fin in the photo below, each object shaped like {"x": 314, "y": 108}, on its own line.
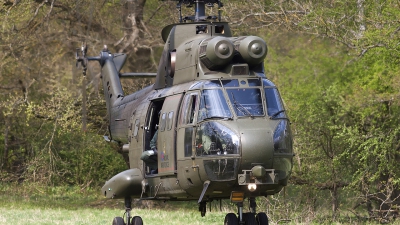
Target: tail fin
{"x": 110, "y": 78}
{"x": 111, "y": 64}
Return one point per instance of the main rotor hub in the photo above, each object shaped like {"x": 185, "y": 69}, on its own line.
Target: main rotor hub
{"x": 199, "y": 8}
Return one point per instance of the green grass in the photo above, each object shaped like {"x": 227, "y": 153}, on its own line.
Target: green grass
{"x": 103, "y": 216}
{"x": 36, "y": 205}
{"x": 32, "y": 205}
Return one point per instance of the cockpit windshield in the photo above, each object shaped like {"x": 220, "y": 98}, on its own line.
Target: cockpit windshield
{"x": 213, "y": 105}
{"x": 246, "y": 101}
{"x": 245, "y": 97}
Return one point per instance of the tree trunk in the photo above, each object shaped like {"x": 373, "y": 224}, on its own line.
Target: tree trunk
{"x": 132, "y": 14}
{"x": 5, "y": 153}
{"x": 360, "y": 19}
{"x": 334, "y": 192}
{"x": 335, "y": 200}
{"x": 84, "y": 99}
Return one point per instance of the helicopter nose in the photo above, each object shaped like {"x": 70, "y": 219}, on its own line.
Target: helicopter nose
{"x": 257, "y": 148}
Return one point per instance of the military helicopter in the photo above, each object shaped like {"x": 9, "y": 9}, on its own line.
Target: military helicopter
{"x": 222, "y": 130}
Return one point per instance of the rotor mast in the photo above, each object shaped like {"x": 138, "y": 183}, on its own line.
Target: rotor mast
{"x": 200, "y": 11}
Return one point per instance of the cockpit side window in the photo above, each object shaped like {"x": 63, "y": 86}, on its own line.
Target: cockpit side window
{"x": 268, "y": 83}
{"x": 188, "y": 110}
{"x": 274, "y": 104}
{"x": 212, "y": 105}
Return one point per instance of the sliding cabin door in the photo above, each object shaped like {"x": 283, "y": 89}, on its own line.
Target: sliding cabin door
{"x": 166, "y": 142}
{"x": 188, "y": 175}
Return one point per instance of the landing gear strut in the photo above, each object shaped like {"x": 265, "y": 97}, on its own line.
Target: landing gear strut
{"x": 202, "y": 208}
{"x": 136, "y": 220}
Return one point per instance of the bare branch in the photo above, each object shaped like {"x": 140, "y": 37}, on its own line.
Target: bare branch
{"x": 51, "y": 8}
{"x": 36, "y": 12}
{"x": 367, "y": 48}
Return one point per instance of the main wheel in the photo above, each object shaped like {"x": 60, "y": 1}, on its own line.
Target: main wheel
{"x": 231, "y": 219}
{"x": 118, "y": 221}
{"x": 262, "y": 218}
{"x": 137, "y": 220}
{"x": 249, "y": 219}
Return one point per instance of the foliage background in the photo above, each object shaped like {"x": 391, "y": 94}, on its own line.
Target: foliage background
{"x": 336, "y": 64}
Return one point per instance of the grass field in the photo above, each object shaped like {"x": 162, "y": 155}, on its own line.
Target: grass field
{"x": 70, "y": 205}
{"x": 173, "y": 213}
{"x": 103, "y": 216}
{"x": 25, "y": 212}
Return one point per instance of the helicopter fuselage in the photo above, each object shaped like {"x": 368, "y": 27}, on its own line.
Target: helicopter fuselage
{"x": 221, "y": 123}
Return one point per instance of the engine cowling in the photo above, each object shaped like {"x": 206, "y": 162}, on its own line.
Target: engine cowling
{"x": 253, "y": 49}
{"x": 216, "y": 52}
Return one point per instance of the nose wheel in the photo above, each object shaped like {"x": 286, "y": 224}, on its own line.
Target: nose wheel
{"x": 136, "y": 220}
{"x": 250, "y": 218}
{"x": 262, "y": 218}
{"x": 231, "y": 219}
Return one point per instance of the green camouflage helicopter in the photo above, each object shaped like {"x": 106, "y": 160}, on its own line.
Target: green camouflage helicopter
{"x": 212, "y": 126}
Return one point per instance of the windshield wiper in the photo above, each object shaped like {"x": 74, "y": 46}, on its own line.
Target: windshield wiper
{"x": 276, "y": 114}
{"x": 217, "y": 117}
{"x": 240, "y": 107}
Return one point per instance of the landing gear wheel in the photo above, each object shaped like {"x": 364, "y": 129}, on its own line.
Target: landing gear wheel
{"x": 249, "y": 218}
{"x": 231, "y": 219}
{"x": 262, "y": 218}
{"x": 137, "y": 220}
{"x": 118, "y": 221}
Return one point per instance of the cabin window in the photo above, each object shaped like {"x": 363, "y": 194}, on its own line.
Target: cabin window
{"x": 246, "y": 101}
{"x": 274, "y": 104}
{"x": 163, "y": 121}
{"x": 135, "y": 131}
{"x": 170, "y": 120}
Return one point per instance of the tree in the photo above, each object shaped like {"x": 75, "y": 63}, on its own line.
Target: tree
{"x": 38, "y": 38}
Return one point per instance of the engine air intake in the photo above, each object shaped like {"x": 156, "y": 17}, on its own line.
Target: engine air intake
{"x": 252, "y": 49}
{"x": 216, "y": 53}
